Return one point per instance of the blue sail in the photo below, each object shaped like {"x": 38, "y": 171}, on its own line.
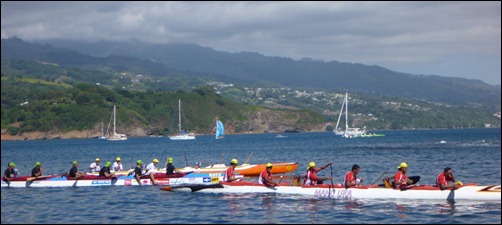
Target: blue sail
{"x": 220, "y": 130}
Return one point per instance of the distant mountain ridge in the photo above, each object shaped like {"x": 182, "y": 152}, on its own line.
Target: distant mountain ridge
{"x": 198, "y": 61}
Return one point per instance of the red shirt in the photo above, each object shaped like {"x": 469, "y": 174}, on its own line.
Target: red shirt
{"x": 349, "y": 177}
{"x": 311, "y": 177}
{"x": 228, "y": 173}
{"x": 264, "y": 174}
{"x": 400, "y": 178}
{"x": 443, "y": 179}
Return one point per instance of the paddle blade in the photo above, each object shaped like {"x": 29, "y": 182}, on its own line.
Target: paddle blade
{"x": 167, "y": 188}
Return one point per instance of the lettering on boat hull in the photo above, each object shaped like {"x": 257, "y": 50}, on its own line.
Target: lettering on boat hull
{"x": 336, "y": 194}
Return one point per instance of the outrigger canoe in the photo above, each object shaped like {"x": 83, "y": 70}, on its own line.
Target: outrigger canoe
{"x": 243, "y": 170}
{"x": 466, "y": 192}
{"x": 121, "y": 180}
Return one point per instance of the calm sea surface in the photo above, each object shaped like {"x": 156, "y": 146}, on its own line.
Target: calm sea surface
{"x": 474, "y": 155}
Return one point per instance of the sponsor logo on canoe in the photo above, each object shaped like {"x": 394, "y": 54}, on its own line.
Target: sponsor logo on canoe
{"x": 338, "y": 194}
{"x": 163, "y": 182}
{"x": 127, "y": 182}
{"x": 215, "y": 179}
{"x": 101, "y": 182}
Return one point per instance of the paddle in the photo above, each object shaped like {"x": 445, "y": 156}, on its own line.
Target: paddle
{"x": 247, "y": 160}
{"x": 332, "y": 185}
{"x": 379, "y": 177}
{"x": 186, "y": 160}
{"x": 31, "y": 179}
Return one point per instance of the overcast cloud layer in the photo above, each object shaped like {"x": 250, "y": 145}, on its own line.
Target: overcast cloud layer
{"x": 457, "y": 39}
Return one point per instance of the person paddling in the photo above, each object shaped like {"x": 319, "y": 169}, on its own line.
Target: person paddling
{"x": 311, "y": 177}
{"x": 230, "y": 174}
{"x": 94, "y": 167}
{"x": 350, "y": 179}
{"x": 10, "y": 172}
{"x": 151, "y": 169}
{"x": 117, "y": 165}
{"x": 266, "y": 176}
{"x": 37, "y": 170}
{"x": 401, "y": 178}
{"x": 138, "y": 171}
{"x": 74, "y": 174}
{"x": 105, "y": 171}
{"x": 445, "y": 177}
{"x": 170, "y": 170}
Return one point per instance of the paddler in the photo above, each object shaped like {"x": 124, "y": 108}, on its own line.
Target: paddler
{"x": 401, "y": 179}
{"x": 74, "y": 174}
{"x": 311, "y": 177}
{"x": 105, "y": 171}
{"x": 170, "y": 169}
{"x": 37, "y": 170}
{"x": 266, "y": 176}
{"x": 10, "y": 172}
{"x": 230, "y": 174}
{"x": 445, "y": 177}
{"x": 351, "y": 178}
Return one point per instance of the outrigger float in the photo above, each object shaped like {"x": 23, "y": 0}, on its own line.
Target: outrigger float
{"x": 466, "y": 192}
{"x": 120, "y": 180}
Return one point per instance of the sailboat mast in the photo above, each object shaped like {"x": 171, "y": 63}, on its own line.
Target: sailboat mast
{"x": 114, "y": 114}
{"x": 179, "y": 115}
{"x": 340, "y": 115}
{"x": 346, "y": 111}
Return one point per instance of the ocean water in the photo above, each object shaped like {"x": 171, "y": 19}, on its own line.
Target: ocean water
{"x": 474, "y": 155}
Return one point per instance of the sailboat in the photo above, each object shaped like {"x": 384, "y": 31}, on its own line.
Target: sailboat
{"x": 102, "y": 137}
{"x": 182, "y": 135}
{"x": 115, "y": 136}
{"x": 220, "y": 129}
{"x": 349, "y": 132}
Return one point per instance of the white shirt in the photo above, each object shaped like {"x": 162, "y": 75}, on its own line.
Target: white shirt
{"x": 117, "y": 167}
{"x": 94, "y": 167}
{"x": 151, "y": 168}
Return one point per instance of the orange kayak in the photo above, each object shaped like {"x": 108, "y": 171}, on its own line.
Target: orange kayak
{"x": 245, "y": 169}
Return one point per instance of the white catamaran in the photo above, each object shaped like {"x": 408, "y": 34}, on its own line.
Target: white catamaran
{"x": 114, "y": 136}
{"x": 182, "y": 135}
{"x": 349, "y": 132}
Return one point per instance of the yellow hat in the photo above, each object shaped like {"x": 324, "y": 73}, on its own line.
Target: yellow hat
{"x": 139, "y": 162}
{"x": 311, "y": 164}
{"x": 155, "y": 160}
{"x": 12, "y": 164}
{"x": 97, "y": 159}
{"x": 234, "y": 161}
{"x": 108, "y": 164}
{"x": 117, "y": 159}
{"x": 269, "y": 165}
{"x": 37, "y": 164}
{"x": 75, "y": 162}
{"x": 169, "y": 160}
{"x": 403, "y": 165}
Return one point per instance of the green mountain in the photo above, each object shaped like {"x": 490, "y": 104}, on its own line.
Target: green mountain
{"x": 54, "y": 89}
{"x": 314, "y": 74}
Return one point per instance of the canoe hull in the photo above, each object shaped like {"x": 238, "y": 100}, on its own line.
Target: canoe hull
{"x": 90, "y": 181}
{"x": 482, "y": 193}
{"x": 245, "y": 169}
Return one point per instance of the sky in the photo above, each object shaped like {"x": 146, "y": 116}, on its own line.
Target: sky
{"x": 452, "y": 39}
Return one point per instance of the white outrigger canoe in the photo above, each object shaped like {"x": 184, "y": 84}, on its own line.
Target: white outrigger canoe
{"x": 123, "y": 180}
{"x": 466, "y": 192}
